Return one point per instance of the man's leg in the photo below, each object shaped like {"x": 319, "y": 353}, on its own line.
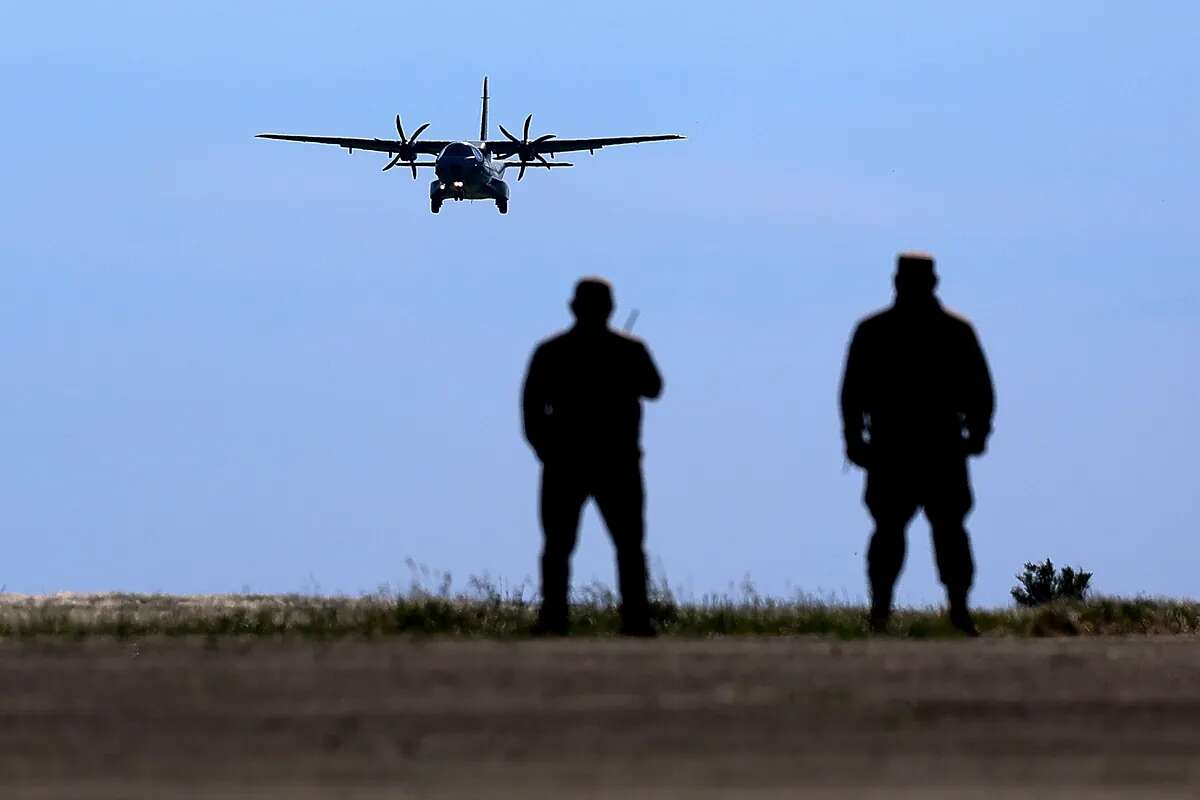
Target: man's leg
{"x": 621, "y": 497}
{"x": 889, "y": 499}
{"x": 947, "y": 507}
{"x": 563, "y": 496}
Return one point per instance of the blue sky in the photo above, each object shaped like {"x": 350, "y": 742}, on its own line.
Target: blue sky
{"x": 230, "y": 363}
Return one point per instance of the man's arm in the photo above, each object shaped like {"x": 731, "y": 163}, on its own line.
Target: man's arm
{"x": 980, "y": 395}
{"x": 533, "y": 403}
{"x": 853, "y": 402}
{"x": 650, "y": 382}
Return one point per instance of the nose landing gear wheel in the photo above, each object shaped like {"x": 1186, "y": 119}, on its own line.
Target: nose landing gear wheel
{"x": 435, "y": 206}
{"x": 502, "y": 206}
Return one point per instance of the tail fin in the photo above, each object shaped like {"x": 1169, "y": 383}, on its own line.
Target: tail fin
{"x": 483, "y": 126}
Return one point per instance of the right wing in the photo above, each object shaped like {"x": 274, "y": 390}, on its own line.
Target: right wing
{"x": 536, "y": 164}
{"x": 389, "y": 146}
{"x": 504, "y": 148}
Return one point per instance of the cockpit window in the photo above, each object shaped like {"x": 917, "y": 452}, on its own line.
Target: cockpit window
{"x": 460, "y": 150}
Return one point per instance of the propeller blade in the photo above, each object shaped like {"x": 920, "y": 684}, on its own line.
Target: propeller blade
{"x": 417, "y": 132}
{"x": 528, "y": 120}
{"x": 393, "y": 163}
{"x": 413, "y": 164}
{"x": 544, "y": 138}
{"x": 538, "y": 156}
{"x": 509, "y": 135}
{"x": 521, "y": 174}
{"x": 400, "y": 130}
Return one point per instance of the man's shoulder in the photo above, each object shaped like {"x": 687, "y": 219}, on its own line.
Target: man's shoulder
{"x": 875, "y": 321}
{"x": 625, "y": 341}
{"x": 552, "y": 343}
{"x": 571, "y": 337}
{"x": 569, "y": 341}
{"x": 881, "y": 321}
{"x": 957, "y": 322}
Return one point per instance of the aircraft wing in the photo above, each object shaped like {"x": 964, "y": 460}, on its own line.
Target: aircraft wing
{"x": 425, "y": 146}
{"x": 536, "y": 164}
{"x": 505, "y": 148}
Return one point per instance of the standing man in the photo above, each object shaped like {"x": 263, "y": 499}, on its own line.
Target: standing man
{"x": 582, "y": 413}
{"x": 917, "y": 400}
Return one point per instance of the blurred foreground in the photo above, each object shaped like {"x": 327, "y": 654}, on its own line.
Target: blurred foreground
{"x": 729, "y": 717}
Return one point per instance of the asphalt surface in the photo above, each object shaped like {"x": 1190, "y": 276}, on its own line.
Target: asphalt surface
{"x": 744, "y": 718}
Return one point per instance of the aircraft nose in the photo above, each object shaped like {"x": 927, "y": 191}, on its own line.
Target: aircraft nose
{"x": 457, "y": 168}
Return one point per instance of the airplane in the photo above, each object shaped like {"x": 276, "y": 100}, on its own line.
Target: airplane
{"x": 473, "y": 170}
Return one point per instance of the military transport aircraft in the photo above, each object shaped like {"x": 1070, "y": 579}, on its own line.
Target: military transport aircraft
{"x": 472, "y": 170}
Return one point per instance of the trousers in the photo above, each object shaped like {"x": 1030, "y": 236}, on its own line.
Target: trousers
{"x": 620, "y": 496}
{"x": 896, "y": 490}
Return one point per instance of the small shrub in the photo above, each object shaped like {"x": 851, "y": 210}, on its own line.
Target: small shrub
{"x": 1040, "y": 584}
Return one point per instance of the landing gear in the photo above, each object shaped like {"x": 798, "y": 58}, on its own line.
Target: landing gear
{"x": 502, "y": 206}
{"x": 435, "y": 205}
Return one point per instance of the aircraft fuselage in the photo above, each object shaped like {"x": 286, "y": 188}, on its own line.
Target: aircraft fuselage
{"x": 466, "y": 171}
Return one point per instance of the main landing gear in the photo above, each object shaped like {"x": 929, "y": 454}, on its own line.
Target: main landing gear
{"x": 435, "y": 205}
{"x": 502, "y": 206}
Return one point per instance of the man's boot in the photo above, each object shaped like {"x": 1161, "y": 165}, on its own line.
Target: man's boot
{"x": 550, "y": 624}
{"x": 960, "y": 615}
{"x": 878, "y": 619}
{"x": 635, "y": 602}
{"x": 642, "y": 630}
{"x": 881, "y": 609}
{"x": 552, "y": 614}
{"x": 635, "y": 620}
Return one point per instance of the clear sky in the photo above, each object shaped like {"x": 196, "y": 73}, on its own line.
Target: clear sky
{"x": 236, "y": 364}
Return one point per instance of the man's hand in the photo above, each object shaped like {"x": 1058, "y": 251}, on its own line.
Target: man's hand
{"x": 976, "y": 445}
{"x": 857, "y": 451}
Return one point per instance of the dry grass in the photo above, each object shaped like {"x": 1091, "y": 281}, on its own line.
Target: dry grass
{"x": 488, "y": 611}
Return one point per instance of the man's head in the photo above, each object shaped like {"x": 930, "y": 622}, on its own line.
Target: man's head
{"x": 593, "y": 302}
{"x": 915, "y": 277}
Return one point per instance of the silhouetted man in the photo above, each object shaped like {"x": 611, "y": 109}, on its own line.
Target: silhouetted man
{"x": 582, "y": 413}
{"x": 916, "y": 401}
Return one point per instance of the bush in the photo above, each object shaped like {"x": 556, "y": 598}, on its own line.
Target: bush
{"x": 1039, "y": 584}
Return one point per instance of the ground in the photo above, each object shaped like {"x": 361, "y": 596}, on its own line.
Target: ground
{"x": 695, "y": 718}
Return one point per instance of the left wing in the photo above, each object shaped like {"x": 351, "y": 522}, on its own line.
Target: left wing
{"x": 504, "y": 147}
{"x": 389, "y": 146}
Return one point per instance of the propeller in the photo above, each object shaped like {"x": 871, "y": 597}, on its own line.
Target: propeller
{"x": 406, "y": 152}
{"x": 526, "y": 149}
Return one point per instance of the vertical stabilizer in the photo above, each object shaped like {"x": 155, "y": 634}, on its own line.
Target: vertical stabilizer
{"x": 483, "y": 126}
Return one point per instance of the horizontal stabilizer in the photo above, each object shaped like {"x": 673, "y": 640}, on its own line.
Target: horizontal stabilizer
{"x": 537, "y": 164}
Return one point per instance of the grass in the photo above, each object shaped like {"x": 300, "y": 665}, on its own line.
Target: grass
{"x": 490, "y": 611}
